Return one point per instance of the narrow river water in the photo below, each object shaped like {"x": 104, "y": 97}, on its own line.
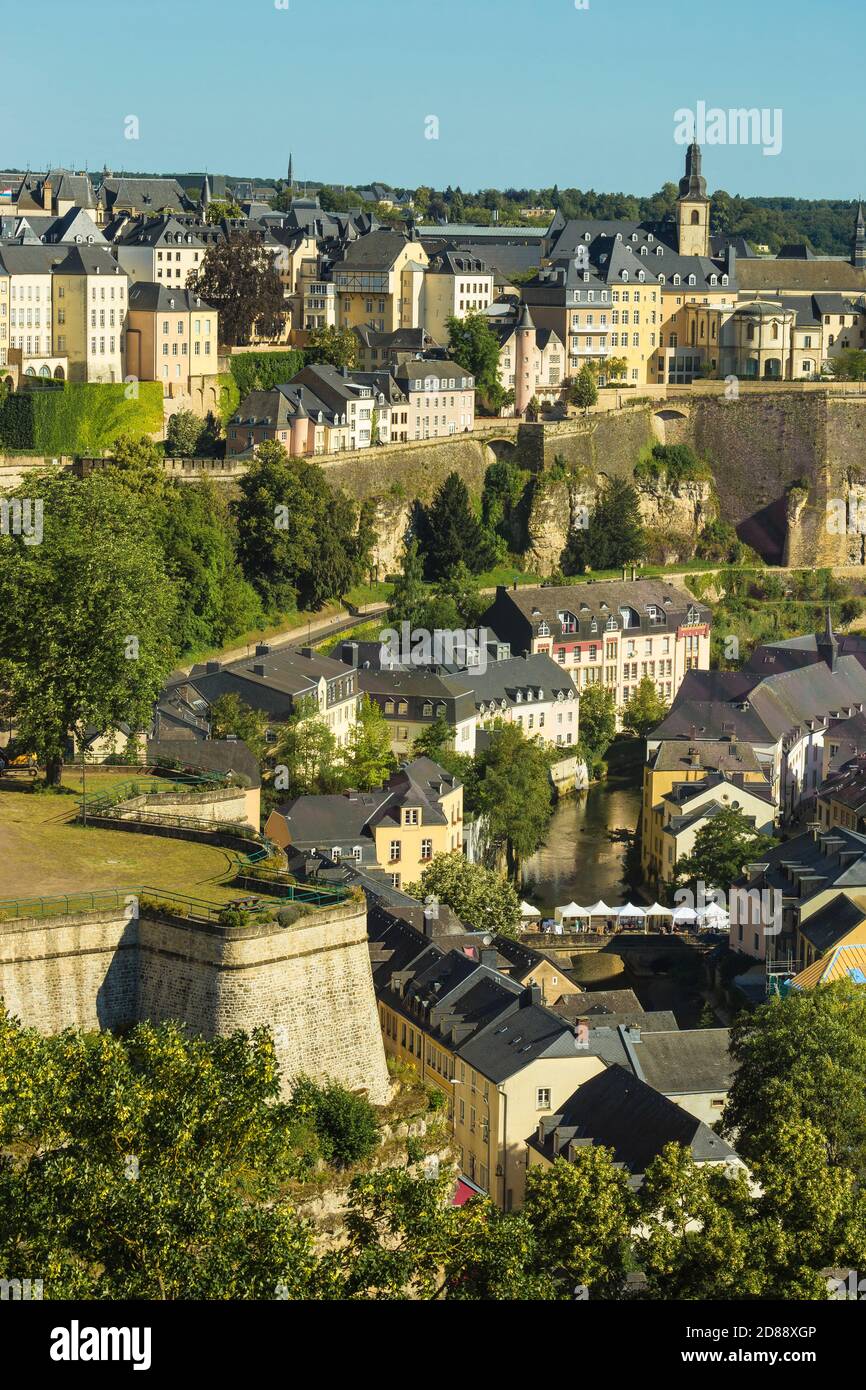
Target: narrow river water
{"x": 583, "y": 857}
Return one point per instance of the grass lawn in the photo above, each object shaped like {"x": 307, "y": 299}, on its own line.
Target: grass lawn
{"x": 358, "y": 597}
{"x": 42, "y": 852}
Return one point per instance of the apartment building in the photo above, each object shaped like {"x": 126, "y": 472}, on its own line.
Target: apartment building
{"x": 531, "y": 691}
{"x": 396, "y": 829}
{"x": 612, "y": 633}
{"x": 162, "y": 250}
{"x": 379, "y": 281}
{"x": 279, "y": 682}
{"x": 440, "y": 396}
{"x": 172, "y": 336}
{"x": 670, "y": 819}
{"x": 781, "y": 703}
{"x": 456, "y": 284}
{"x": 500, "y": 1057}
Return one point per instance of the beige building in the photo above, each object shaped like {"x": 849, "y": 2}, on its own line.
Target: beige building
{"x": 456, "y": 284}
{"x": 676, "y": 766}
{"x": 89, "y": 300}
{"x": 164, "y": 250}
{"x": 172, "y": 338}
{"x": 501, "y": 1059}
{"x": 380, "y": 282}
{"x": 397, "y": 830}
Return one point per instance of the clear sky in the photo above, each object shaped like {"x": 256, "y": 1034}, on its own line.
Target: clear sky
{"x": 526, "y": 92}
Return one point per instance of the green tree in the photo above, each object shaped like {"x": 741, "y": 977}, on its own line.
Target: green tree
{"x": 584, "y": 392}
{"x": 220, "y": 209}
{"x": 614, "y": 535}
{"x": 149, "y": 1167}
{"x": 848, "y": 365}
{"x": 480, "y": 897}
{"x": 450, "y": 533}
{"x": 367, "y": 758}
{"x": 802, "y": 1058}
{"x": 86, "y": 615}
{"x": 298, "y": 541}
{"x": 345, "y": 1123}
{"x": 515, "y": 794}
{"x": 475, "y": 347}
{"x": 183, "y": 433}
{"x": 337, "y": 346}
{"x": 194, "y": 526}
{"x": 238, "y": 277}
{"x": 581, "y": 1212}
{"x": 307, "y": 761}
{"x": 409, "y": 594}
{"x": 230, "y": 715}
{"x": 644, "y": 710}
{"x": 597, "y": 720}
{"x": 434, "y": 740}
{"x": 721, "y": 850}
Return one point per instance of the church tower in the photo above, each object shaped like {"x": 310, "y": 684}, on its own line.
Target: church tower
{"x": 858, "y": 245}
{"x": 693, "y": 207}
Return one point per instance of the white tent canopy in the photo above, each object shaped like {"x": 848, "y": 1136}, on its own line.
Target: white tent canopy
{"x": 714, "y": 915}
{"x": 658, "y": 911}
{"x": 600, "y": 909}
{"x": 527, "y": 910}
{"x": 682, "y": 913}
{"x": 630, "y": 910}
{"x": 570, "y": 910}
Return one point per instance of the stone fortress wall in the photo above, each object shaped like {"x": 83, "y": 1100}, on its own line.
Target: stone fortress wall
{"x": 110, "y": 969}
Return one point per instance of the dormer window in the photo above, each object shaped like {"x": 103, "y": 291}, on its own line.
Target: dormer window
{"x": 714, "y": 279}
{"x": 519, "y": 697}
{"x": 641, "y": 275}
{"x": 543, "y": 630}
{"x": 693, "y": 616}
{"x": 676, "y": 279}
{"x": 724, "y": 279}
{"x": 692, "y": 280}
{"x": 411, "y": 815}
{"x": 623, "y": 275}
{"x": 568, "y": 621}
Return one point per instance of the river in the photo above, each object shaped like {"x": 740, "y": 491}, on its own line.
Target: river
{"x": 580, "y": 861}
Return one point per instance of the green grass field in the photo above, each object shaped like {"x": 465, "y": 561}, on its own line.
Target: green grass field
{"x": 43, "y": 852}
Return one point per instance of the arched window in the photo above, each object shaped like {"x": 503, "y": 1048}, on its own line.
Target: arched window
{"x": 696, "y": 217}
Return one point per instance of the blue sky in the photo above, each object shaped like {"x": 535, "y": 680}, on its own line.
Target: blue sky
{"x": 526, "y": 92}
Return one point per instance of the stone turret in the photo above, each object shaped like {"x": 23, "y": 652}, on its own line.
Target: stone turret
{"x": 300, "y": 430}
{"x": 524, "y": 366}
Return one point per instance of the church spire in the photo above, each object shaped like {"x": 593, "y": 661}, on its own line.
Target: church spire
{"x": 828, "y": 643}
{"x": 290, "y": 180}
{"x": 205, "y": 195}
{"x": 858, "y": 245}
{"x": 693, "y": 185}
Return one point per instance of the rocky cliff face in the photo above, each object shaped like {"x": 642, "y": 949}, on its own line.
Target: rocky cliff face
{"x": 673, "y": 516}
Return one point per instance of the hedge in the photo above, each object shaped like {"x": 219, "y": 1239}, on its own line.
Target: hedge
{"x": 16, "y": 422}
{"x": 87, "y": 417}
{"x": 259, "y": 371}
{"x": 79, "y": 417}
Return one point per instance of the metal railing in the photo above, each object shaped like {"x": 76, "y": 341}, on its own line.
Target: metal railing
{"x": 196, "y": 909}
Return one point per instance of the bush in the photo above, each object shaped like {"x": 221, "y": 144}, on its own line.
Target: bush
{"x": 345, "y": 1123}
{"x": 232, "y": 917}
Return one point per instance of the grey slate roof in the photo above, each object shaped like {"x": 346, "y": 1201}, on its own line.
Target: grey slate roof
{"x": 617, "y": 1111}
{"x": 147, "y": 294}
{"x": 597, "y": 1001}
{"x": 683, "y": 1062}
